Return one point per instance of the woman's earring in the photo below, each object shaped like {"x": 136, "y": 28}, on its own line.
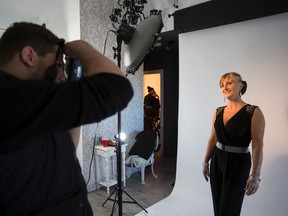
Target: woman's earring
{"x": 224, "y": 99}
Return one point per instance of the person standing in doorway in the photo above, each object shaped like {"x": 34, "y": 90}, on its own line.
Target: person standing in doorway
{"x": 151, "y": 108}
{"x": 234, "y": 127}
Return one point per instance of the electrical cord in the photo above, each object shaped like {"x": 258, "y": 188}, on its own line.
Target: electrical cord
{"x": 105, "y": 43}
{"x": 92, "y": 156}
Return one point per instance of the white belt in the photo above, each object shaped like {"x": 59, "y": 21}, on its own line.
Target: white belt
{"x": 233, "y": 149}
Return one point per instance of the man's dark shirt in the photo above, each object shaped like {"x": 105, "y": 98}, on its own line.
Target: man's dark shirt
{"x": 39, "y": 171}
{"x": 151, "y": 106}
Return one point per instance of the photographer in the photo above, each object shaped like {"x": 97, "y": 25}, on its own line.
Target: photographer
{"x": 40, "y": 174}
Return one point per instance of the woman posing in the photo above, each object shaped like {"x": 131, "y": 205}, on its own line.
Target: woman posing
{"x": 234, "y": 127}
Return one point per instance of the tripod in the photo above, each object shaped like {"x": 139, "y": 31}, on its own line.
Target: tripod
{"x": 119, "y": 189}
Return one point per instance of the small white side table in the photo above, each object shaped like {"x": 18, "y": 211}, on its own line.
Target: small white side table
{"x": 110, "y": 171}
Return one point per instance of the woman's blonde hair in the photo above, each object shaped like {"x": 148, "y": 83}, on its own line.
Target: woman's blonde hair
{"x": 236, "y": 75}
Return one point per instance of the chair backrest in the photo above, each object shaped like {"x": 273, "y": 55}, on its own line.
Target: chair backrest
{"x": 146, "y": 143}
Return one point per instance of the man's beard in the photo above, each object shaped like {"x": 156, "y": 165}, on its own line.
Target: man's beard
{"x": 50, "y": 73}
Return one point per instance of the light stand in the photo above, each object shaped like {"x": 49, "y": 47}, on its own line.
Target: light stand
{"x": 119, "y": 189}
{"x": 140, "y": 43}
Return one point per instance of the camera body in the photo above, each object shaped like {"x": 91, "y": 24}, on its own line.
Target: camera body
{"x": 73, "y": 68}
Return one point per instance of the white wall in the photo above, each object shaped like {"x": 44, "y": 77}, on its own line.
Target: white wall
{"x": 60, "y": 16}
{"x": 258, "y": 50}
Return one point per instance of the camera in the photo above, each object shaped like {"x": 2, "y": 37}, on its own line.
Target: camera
{"x": 73, "y": 68}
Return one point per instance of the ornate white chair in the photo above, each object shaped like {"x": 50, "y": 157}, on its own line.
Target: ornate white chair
{"x": 142, "y": 152}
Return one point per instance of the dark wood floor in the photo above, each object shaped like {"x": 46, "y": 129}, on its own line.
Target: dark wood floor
{"x": 146, "y": 195}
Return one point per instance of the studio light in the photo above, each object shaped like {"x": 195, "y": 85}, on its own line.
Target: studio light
{"x": 136, "y": 30}
{"x": 122, "y": 136}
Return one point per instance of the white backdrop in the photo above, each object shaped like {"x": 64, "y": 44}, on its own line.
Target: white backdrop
{"x": 258, "y": 50}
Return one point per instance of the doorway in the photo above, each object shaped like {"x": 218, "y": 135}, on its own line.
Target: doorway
{"x": 153, "y": 79}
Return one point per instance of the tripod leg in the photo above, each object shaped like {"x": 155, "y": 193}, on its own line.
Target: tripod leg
{"x": 134, "y": 201}
{"x": 115, "y": 190}
{"x": 115, "y": 204}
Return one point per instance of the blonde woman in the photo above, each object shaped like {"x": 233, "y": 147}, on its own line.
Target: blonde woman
{"x": 234, "y": 127}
